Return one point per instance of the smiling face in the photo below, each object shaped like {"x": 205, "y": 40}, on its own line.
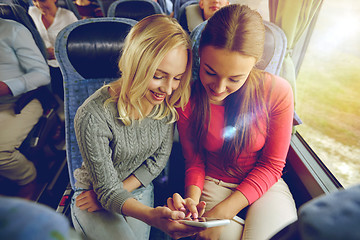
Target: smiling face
{"x": 167, "y": 77}
{"x": 209, "y": 7}
{"x": 223, "y": 72}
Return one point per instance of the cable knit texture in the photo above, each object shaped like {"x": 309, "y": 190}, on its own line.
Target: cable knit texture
{"x": 112, "y": 151}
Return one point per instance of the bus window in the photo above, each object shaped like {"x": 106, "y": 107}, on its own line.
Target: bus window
{"x": 328, "y": 93}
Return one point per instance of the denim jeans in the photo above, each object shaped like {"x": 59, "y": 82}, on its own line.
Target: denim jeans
{"x": 105, "y": 225}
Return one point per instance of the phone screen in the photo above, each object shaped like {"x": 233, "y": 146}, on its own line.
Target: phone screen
{"x": 205, "y": 222}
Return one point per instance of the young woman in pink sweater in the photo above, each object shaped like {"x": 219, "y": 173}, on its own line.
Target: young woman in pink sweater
{"x": 235, "y": 132}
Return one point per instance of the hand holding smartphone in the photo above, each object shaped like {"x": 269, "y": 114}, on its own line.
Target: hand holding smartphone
{"x": 205, "y": 222}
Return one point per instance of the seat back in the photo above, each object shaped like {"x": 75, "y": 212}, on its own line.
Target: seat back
{"x": 69, "y": 5}
{"x": 104, "y": 5}
{"x": 273, "y": 55}
{"x": 17, "y": 13}
{"x": 181, "y": 14}
{"x": 23, "y": 3}
{"x": 164, "y": 6}
{"x": 88, "y": 52}
{"x": 134, "y": 9}
{"x": 177, "y": 6}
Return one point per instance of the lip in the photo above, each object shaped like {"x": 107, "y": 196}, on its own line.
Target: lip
{"x": 214, "y": 8}
{"x": 158, "y": 96}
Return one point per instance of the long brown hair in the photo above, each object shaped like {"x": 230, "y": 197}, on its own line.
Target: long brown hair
{"x": 240, "y": 29}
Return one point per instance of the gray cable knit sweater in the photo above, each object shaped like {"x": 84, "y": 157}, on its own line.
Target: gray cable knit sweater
{"x": 112, "y": 151}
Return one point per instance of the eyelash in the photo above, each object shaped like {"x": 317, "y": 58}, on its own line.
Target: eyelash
{"x": 158, "y": 78}
{"x": 209, "y": 73}
{"x": 235, "y": 81}
{"x": 214, "y": 74}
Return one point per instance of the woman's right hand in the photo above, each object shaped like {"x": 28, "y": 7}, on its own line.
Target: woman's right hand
{"x": 190, "y": 207}
{"x": 87, "y": 200}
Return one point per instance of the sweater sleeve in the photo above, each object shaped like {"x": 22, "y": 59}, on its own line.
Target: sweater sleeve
{"x": 152, "y": 167}
{"x": 194, "y": 164}
{"x": 271, "y": 162}
{"x": 93, "y": 137}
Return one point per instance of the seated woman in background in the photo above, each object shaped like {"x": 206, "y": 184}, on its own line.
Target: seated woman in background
{"x": 235, "y": 132}
{"x": 88, "y": 9}
{"x": 125, "y": 134}
{"x": 50, "y": 20}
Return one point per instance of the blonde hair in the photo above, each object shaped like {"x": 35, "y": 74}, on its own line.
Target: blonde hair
{"x": 145, "y": 47}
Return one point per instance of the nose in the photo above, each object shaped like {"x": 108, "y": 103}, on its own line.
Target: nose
{"x": 220, "y": 86}
{"x": 168, "y": 86}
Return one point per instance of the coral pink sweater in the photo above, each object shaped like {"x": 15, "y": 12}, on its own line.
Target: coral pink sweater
{"x": 262, "y": 163}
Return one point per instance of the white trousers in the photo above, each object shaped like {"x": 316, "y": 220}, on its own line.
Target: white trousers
{"x": 14, "y": 129}
{"x": 265, "y": 217}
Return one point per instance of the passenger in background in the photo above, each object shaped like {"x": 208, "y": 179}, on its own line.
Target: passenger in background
{"x": 88, "y": 9}
{"x": 50, "y": 20}
{"x": 22, "y": 69}
{"x": 209, "y": 7}
{"x": 197, "y": 13}
{"x": 235, "y": 132}
{"x": 125, "y": 134}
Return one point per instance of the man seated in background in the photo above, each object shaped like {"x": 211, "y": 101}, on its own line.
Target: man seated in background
{"x": 22, "y": 69}
{"x": 197, "y": 13}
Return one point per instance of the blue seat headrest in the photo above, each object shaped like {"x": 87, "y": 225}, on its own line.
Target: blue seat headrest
{"x": 94, "y": 49}
{"x": 134, "y": 9}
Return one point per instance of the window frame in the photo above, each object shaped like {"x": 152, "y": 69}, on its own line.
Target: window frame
{"x": 312, "y": 172}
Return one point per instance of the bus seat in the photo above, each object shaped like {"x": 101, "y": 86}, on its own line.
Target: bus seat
{"x": 177, "y": 6}
{"x": 164, "y": 6}
{"x": 39, "y": 135}
{"x": 23, "y": 3}
{"x": 104, "y": 5}
{"x": 333, "y": 216}
{"x": 134, "y": 9}
{"x": 23, "y": 219}
{"x": 274, "y": 48}
{"x": 69, "y": 5}
{"x": 88, "y": 53}
{"x": 182, "y": 17}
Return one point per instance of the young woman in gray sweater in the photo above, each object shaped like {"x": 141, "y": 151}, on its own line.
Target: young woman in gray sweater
{"x": 125, "y": 133}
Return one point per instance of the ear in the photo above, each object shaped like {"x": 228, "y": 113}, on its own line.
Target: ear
{"x": 201, "y": 4}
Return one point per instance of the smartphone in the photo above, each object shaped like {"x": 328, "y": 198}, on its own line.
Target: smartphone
{"x": 205, "y": 222}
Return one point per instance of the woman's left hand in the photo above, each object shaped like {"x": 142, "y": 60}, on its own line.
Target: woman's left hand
{"x": 87, "y": 200}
